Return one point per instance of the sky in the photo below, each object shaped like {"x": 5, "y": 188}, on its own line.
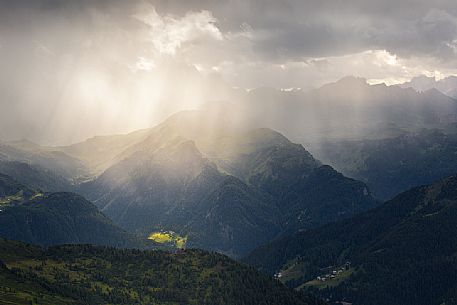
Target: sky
{"x": 73, "y": 69}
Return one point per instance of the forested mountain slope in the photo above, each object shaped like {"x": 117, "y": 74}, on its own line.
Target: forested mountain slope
{"x": 226, "y": 190}
{"x": 55, "y": 218}
{"x": 85, "y": 274}
{"x": 403, "y": 252}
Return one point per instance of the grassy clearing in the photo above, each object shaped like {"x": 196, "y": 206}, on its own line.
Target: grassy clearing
{"x": 333, "y": 282}
{"x": 169, "y": 238}
{"x": 293, "y": 272}
{"x": 18, "y": 198}
{"x": 36, "y": 195}
{"x": 10, "y": 199}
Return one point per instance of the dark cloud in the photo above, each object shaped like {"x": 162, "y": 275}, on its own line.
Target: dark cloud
{"x": 296, "y": 28}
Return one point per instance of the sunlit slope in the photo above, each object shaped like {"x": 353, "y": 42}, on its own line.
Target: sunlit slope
{"x": 227, "y": 189}
{"x": 168, "y": 238}
{"x": 84, "y": 274}
{"x": 403, "y": 252}
{"x": 173, "y": 187}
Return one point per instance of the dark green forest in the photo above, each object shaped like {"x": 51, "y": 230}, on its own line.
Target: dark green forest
{"x": 86, "y": 274}
{"x": 403, "y": 252}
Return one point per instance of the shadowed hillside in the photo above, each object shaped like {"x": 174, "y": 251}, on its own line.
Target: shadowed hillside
{"x": 55, "y": 218}
{"x": 403, "y": 252}
{"x": 225, "y": 189}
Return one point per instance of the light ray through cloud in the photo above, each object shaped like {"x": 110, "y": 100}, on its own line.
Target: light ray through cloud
{"x": 136, "y": 62}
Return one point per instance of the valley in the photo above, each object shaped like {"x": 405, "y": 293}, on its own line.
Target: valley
{"x": 248, "y": 193}
{"x": 227, "y": 190}
{"x": 255, "y": 152}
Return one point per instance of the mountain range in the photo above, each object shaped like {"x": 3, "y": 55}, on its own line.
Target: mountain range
{"x": 49, "y": 160}
{"x": 221, "y": 181}
{"x": 226, "y": 190}
{"x": 393, "y": 165}
{"x": 348, "y": 109}
{"x": 223, "y": 188}
{"x": 447, "y": 85}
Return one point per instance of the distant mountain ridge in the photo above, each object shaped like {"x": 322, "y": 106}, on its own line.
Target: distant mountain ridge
{"x": 348, "y": 109}
{"x": 447, "y": 85}
{"x": 393, "y": 165}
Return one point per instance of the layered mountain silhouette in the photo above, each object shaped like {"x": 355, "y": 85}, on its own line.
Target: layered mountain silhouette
{"x": 213, "y": 176}
{"x": 348, "y": 109}
{"x": 227, "y": 190}
{"x": 222, "y": 179}
{"x": 53, "y": 161}
{"x": 403, "y": 252}
{"x": 393, "y": 165}
{"x": 224, "y": 186}
{"x": 447, "y": 85}
{"x": 35, "y": 176}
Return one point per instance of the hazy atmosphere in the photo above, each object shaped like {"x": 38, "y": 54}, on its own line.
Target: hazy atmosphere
{"x": 74, "y": 69}
{"x": 229, "y": 152}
